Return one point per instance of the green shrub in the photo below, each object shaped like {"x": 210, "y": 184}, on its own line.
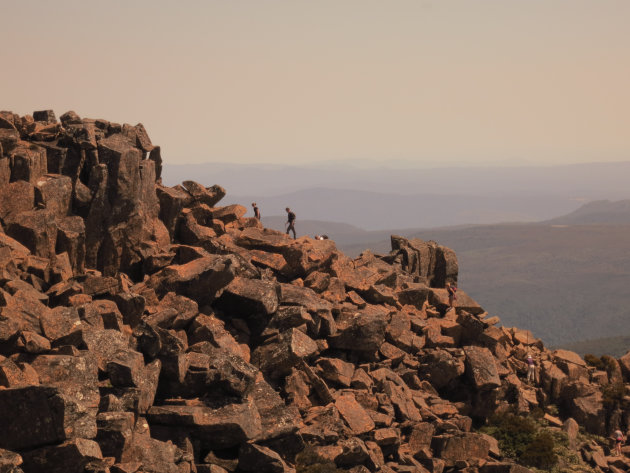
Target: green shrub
{"x": 525, "y": 440}
{"x": 513, "y": 432}
{"x": 594, "y": 361}
{"x": 540, "y": 451}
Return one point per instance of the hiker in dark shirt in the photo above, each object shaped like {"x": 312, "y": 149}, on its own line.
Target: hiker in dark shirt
{"x": 256, "y": 211}
{"x": 452, "y": 296}
{"x": 290, "y": 222}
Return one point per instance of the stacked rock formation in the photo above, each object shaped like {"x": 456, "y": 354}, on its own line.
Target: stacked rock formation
{"x": 144, "y": 328}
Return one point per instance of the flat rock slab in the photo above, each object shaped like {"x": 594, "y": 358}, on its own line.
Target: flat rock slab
{"x": 357, "y": 419}
{"x": 219, "y": 428}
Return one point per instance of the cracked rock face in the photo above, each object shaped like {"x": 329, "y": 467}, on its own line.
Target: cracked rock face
{"x": 146, "y": 328}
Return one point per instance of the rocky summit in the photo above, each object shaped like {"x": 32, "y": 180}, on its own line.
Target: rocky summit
{"x": 146, "y": 328}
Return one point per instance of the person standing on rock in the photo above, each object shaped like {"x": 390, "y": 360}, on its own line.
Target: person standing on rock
{"x": 452, "y": 293}
{"x": 619, "y": 440}
{"x": 256, "y": 211}
{"x": 290, "y": 222}
{"x": 531, "y": 370}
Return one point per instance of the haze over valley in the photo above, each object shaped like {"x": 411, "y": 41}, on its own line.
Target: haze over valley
{"x": 390, "y": 197}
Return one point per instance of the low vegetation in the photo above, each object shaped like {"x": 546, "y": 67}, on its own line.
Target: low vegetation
{"x": 524, "y": 439}
{"x": 528, "y": 440}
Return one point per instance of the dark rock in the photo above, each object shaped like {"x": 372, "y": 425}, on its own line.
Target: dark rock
{"x": 242, "y": 297}
{"x": 253, "y": 457}
{"x": 71, "y": 456}
{"x": 46, "y": 116}
{"x": 115, "y": 432}
{"x": 39, "y": 415}
{"x": 440, "y": 367}
{"x": 364, "y": 332}
{"x": 276, "y": 358}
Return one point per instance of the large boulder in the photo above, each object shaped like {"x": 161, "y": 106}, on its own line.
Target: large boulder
{"x": 441, "y": 367}
{"x": 277, "y": 357}
{"x": 463, "y": 447}
{"x": 202, "y": 278}
{"x": 481, "y": 368}
{"x": 72, "y": 456}
{"x": 243, "y": 297}
{"x": 365, "y": 331}
{"x": 429, "y": 262}
{"x": 39, "y": 415}
{"x": 224, "y": 427}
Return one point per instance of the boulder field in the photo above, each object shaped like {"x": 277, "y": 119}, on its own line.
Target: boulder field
{"x": 146, "y": 328}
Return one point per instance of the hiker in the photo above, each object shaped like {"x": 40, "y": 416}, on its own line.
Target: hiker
{"x": 290, "y": 222}
{"x": 256, "y": 211}
{"x": 619, "y": 440}
{"x": 452, "y": 296}
{"x": 531, "y": 369}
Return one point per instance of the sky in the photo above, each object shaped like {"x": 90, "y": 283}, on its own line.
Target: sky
{"x": 294, "y": 82}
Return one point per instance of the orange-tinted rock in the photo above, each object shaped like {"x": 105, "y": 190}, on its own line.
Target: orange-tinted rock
{"x": 354, "y": 415}
{"x": 220, "y": 428}
{"x": 480, "y": 368}
{"x": 466, "y": 446}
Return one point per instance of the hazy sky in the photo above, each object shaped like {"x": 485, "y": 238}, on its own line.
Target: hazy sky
{"x": 506, "y": 81}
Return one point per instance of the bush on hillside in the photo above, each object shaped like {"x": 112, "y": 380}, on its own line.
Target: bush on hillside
{"x": 524, "y": 439}
{"x": 514, "y": 432}
{"x": 594, "y": 361}
{"x": 540, "y": 451}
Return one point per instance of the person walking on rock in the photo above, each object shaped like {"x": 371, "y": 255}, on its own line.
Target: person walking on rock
{"x": 256, "y": 211}
{"x": 290, "y": 222}
{"x": 452, "y": 293}
{"x": 531, "y": 370}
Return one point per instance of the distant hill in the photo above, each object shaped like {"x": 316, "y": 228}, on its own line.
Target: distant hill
{"x": 598, "y": 212}
{"x": 381, "y": 211}
{"x": 589, "y": 181}
{"x": 613, "y": 346}
{"x": 380, "y": 198}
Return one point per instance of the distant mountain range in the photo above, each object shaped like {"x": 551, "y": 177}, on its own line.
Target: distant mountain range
{"x": 598, "y": 212}
{"x": 393, "y": 197}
